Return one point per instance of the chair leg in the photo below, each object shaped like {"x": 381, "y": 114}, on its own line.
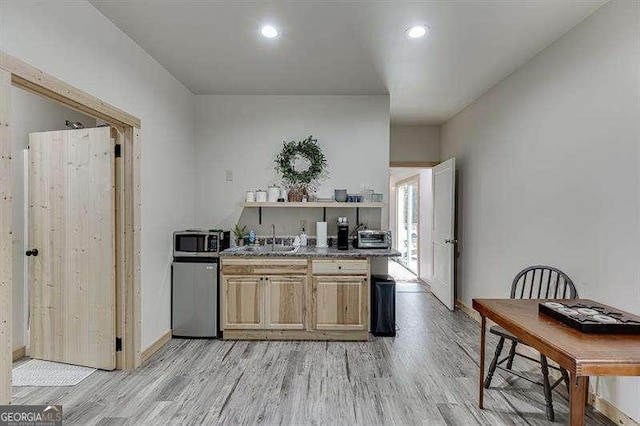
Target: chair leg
{"x": 565, "y": 377}
{"x": 512, "y": 354}
{"x": 494, "y": 363}
{"x": 547, "y": 387}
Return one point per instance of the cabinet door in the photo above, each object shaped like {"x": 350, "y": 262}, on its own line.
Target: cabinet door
{"x": 286, "y": 302}
{"x": 340, "y": 303}
{"x": 243, "y": 302}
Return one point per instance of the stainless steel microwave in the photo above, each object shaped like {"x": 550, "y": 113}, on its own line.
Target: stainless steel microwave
{"x": 200, "y": 243}
{"x": 369, "y": 239}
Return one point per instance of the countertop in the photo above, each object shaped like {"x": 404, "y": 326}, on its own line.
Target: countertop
{"x": 310, "y": 251}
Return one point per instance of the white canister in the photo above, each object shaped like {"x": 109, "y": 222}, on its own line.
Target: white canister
{"x": 273, "y": 193}
{"x": 261, "y": 196}
{"x": 249, "y": 197}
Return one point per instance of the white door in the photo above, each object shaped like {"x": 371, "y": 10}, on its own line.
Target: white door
{"x": 442, "y": 236}
{"x": 71, "y": 255}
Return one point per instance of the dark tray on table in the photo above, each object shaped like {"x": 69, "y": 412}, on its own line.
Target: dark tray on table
{"x": 589, "y": 316}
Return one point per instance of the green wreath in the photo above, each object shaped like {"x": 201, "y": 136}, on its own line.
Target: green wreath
{"x": 293, "y": 152}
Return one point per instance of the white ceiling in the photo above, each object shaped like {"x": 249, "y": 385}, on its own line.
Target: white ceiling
{"x": 348, "y": 47}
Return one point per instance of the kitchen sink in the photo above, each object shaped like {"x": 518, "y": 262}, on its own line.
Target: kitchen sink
{"x": 281, "y": 249}
{"x": 270, "y": 249}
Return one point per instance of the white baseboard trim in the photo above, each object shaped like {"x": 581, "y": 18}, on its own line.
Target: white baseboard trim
{"x": 157, "y": 345}
{"x": 609, "y": 410}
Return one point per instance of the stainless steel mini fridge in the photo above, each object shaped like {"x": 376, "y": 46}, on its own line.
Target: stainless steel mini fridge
{"x": 194, "y": 298}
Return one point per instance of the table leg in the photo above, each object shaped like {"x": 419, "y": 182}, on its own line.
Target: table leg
{"x": 586, "y": 393}
{"x": 483, "y": 327}
{"x": 577, "y": 399}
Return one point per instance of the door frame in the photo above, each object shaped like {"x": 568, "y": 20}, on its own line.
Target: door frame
{"x": 413, "y": 164}
{"x": 15, "y": 72}
{"x": 405, "y": 181}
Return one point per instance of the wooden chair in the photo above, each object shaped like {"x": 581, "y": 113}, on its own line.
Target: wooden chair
{"x": 539, "y": 282}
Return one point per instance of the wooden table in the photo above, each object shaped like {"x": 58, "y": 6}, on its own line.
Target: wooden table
{"x": 581, "y": 354}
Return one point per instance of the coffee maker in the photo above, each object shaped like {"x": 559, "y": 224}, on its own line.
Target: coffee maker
{"x": 343, "y": 233}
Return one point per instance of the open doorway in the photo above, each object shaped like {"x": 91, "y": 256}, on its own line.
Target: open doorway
{"x": 31, "y": 113}
{"x": 123, "y": 181}
{"x": 410, "y": 217}
{"x": 64, "y": 287}
{"x": 407, "y": 227}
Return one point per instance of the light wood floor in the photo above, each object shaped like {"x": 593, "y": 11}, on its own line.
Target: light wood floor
{"x": 426, "y": 375}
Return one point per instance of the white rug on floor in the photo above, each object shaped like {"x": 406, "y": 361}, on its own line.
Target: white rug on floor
{"x": 46, "y": 373}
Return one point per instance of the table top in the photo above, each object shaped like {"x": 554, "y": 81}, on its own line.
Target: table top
{"x": 583, "y": 353}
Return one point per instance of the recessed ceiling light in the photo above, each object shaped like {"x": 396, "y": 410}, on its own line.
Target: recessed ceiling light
{"x": 269, "y": 31}
{"x": 417, "y": 31}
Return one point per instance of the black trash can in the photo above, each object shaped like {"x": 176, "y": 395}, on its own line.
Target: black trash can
{"x": 383, "y": 305}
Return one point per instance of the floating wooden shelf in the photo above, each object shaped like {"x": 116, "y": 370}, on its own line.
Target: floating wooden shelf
{"x": 321, "y": 205}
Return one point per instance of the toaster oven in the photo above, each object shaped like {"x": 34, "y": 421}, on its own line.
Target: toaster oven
{"x": 370, "y": 239}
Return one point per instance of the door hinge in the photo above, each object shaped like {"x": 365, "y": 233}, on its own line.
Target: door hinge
{"x": 118, "y": 150}
{"x": 118, "y": 344}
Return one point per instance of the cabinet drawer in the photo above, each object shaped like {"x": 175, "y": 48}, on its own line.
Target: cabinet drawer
{"x": 269, "y": 266}
{"x": 339, "y": 267}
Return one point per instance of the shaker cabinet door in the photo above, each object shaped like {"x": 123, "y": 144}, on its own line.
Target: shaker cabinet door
{"x": 286, "y": 302}
{"x": 340, "y": 303}
{"x": 243, "y": 303}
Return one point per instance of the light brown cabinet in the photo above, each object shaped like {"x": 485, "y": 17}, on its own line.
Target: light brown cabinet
{"x": 253, "y": 302}
{"x": 242, "y": 303}
{"x": 293, "y": 298}
{"x": 286, "y": 302}
{"x": 340, "y": 303}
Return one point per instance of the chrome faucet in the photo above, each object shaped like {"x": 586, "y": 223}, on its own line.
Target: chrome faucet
{"x": 273, "y": 241}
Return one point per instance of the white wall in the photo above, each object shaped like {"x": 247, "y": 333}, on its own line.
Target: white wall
{"x": 415, "y": 143}
{"x": 29, "y": 113}
{"x": 549, "y": 165}
{"x": 74, "y": 42}
{"x": 398, "y": 174}
{"x": 245, "y": 133}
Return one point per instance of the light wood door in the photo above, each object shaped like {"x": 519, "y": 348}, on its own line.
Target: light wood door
{"x": 340, "y": 303}
{"x": 6, "y": 238}
{"x": 286, "y": 302}
{"x": 442, "y": 235}
{"x": 243, "y": 302}
{"x": 72, "y": 226}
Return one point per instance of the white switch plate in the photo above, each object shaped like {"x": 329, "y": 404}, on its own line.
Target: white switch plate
{"x": 228, "y": 175}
